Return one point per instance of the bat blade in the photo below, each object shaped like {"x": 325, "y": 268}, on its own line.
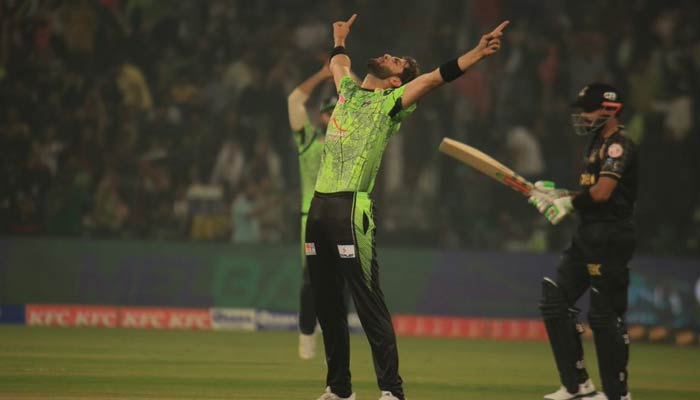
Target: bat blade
{"x": 485, "y": 164}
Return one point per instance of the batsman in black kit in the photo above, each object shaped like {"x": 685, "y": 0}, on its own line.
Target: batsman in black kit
{"x": 600, "y": 250}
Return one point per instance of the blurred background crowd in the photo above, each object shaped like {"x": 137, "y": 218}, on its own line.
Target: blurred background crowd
{"x": 167, "y": 120}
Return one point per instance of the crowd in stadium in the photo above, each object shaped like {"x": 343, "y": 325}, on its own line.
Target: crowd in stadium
{"x": 167, "y": 120}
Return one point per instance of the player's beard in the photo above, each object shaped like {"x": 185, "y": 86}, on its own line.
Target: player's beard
{"x": 375, "y": 68}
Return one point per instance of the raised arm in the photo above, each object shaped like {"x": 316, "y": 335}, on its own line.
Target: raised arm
{"x": 340, "y": 62}
{"x": 489, "y": 44}
{"x": 297, "y": 99}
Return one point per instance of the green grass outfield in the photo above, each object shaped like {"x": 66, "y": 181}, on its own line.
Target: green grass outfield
{"x": 92, "y": 363}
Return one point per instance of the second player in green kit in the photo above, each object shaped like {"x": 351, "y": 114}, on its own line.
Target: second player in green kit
{"x": 309, "y": 142}
{"x": 341, "y": 228}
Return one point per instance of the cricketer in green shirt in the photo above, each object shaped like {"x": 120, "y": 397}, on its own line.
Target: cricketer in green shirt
{"x": 357, "y": 135}
{"x": 308, "y": 138}
{"x": 340, "y": 232}
{"x": 309, "y": 143}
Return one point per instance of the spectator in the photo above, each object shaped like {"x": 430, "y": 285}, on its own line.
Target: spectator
{"x": 524, "y": 151}
{"x": 68, "y": 201}
{"x": 245, "y": 211}
{"x": 135, "y": 94}
{"x": 28, "y": 195}
{"x": 110, "y": 211}
{"x": 231, "y": 161}
{"x": 133, "y": 87}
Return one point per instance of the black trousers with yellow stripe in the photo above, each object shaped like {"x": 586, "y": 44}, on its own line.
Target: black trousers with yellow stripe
{"x": 597, "y": 260}
{"x": 340, "y": 253}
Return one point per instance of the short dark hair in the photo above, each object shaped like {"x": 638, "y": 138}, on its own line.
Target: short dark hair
{"x": 410, "y": 71}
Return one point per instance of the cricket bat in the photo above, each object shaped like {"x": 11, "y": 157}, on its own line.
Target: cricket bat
{"x": 485, "y": 164}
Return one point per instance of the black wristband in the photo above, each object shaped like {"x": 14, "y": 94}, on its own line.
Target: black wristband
{"x": 583, "y": 201}
{"x": 338, "y": 50}
{"x": 450, "y": 71}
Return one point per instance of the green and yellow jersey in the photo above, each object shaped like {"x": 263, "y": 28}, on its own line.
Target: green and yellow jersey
{"x": 310, "y": 148}
{"x": 360, "y": 127}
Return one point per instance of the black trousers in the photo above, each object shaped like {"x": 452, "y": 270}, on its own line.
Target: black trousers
{"x": 597, "y": 259}
{"x": 340, "y": 253}
{"x": 307, "y": 305}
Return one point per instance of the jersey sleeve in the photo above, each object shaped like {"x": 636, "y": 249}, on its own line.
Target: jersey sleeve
{"x": 618, "y": 157}
{"x": 392, "y": 104}
{"x": 304, "y": 136}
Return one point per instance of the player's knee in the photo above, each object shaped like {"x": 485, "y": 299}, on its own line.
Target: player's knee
{"x": 553, "y": 304}
{"x": 602, "y": 314}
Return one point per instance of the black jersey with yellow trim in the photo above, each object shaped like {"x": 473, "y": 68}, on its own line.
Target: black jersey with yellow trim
{"x": 614, "y": 157}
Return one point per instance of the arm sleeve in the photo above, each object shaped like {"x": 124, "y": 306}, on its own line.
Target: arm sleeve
{"x": 392, "y": 104}
{"x": 619, "y": 155}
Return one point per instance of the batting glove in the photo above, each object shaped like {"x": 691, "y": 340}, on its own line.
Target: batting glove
{"x": 549, "y": 188}
{"x": 542, "y": 195}
{"x": 541, "y": 201}
{"x": 559, "y": 209}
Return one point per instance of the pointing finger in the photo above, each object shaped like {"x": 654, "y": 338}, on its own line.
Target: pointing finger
{"x": 351, "y": 20}
{"x": 500, "y": 27}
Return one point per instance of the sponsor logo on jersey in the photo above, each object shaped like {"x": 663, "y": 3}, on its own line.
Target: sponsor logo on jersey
{"x": 615, "y": 150}
{"x": 335, "y": 131}
{"x": 310, "y": 249}
{"x": 336, "y": 125}
{"x": 587, "y": 179}
{"x": 594, "y": 269}
{"x": 335, "y": 135}
{"x": 346, "y": 250}
{"x": 612, "y": 96}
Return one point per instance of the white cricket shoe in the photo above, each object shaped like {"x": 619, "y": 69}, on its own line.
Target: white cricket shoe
{"x": 388, "y": 396}
{"x": 328, "y": 395}
{"x": 585, "y": 389}
{"x": 307, "y": 346}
